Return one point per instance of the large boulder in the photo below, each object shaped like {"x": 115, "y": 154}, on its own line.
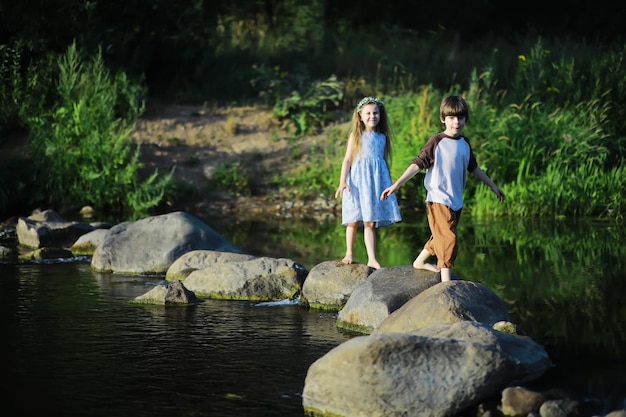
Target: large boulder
{"x": 47, "y": 229}
{"x": 330, "y": 284}
{"x": 87, "y": 243}
{"x": 150, "y": 246}
{"x": 201, "y": 259}
{"x": 447, "y": 302}
{"x": 383, "y": 292}
{"x": 257, "y": 279}
{"x": 437, "y": 371}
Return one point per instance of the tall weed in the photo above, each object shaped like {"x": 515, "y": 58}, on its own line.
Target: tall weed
{"x": 11, "y": 86}
{"x": 551, "y": 157}
{"x": 23, "y": 85}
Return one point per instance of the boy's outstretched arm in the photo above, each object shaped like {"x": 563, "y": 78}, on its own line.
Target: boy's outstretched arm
{"x": 409, "y": 173}
{"x": 480, "y": 174}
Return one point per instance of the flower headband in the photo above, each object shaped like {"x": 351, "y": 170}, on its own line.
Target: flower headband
{"x": 369, "y": 100}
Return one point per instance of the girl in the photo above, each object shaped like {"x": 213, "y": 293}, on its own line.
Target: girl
{"x": 364, "y": 176}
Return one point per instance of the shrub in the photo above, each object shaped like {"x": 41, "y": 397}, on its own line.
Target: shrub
{"x": 83, "y": 152}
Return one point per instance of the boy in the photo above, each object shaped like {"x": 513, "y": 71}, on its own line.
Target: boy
{"x": 447, "y": 157}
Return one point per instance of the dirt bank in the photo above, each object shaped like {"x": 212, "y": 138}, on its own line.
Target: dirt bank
{"x": 196, "y": 140}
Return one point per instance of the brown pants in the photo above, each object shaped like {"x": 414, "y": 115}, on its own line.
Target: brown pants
{"x": 443, "y": 239}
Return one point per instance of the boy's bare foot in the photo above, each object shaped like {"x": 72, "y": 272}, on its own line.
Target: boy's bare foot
{"x": 426, "y": 266}
{"x": 347, "y": 260}
{"x": 374, "y": 265}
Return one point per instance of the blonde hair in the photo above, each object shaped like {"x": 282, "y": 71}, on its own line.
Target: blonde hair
{"x": 383, "y": 126}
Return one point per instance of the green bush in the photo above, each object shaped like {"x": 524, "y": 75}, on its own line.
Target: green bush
{"x": 230, "y": 177}
{"x": 307, "y": 103}
{"x": 82, "y": 147}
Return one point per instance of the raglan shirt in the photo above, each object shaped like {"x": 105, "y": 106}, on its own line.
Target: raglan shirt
{"x": 446, "y": 161}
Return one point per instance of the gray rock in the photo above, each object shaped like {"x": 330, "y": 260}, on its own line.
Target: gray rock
{"x": 383, "y": 292}
{"x": 201, "y": 259}
{"x": 150, "y": 246}
{"x": 520, "y": 401}
{"x": 557, "y": 408}
{"x": 57, "y": 233}
{"x": 530, "y": 358}
{"x": 329, "y": 284}
{"x": 5, "y": 252}
{"x": 257, "y": 279}
{"x": 411, "y": 374}
{"x": 167, "y": 293}
{"x": 407, "y": 374}
{"x": 447, "y": 302}
{"x": 102, "y": 225}
{"x": 87, "y": 243}
{"x": 46, "y": 254}
{"x": 46, "y": 216}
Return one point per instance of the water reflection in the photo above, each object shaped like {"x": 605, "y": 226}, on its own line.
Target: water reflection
{"x": 569, "y": 271}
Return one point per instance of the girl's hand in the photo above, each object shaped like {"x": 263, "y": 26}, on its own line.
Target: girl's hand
{"x": 342, "y": 186}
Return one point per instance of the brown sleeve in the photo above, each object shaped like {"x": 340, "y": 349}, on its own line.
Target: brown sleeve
{"x": 471, "y": 166}
{"x": 426, "y": 158}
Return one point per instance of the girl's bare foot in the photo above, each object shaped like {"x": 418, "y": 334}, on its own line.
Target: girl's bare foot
{"x": 426, "y": 266}
{"x": 347, "y": 260}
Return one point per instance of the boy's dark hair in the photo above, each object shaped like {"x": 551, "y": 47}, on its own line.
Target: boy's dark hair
{"x": 454, "y": 106}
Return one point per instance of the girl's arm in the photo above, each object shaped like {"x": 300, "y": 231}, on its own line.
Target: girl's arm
{"x": 345, "y": 168}
{"x": 480, "y": 174}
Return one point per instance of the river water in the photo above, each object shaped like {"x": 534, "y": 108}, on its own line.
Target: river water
{"x": 73, "y": 346}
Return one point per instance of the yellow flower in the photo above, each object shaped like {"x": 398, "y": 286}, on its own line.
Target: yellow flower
{"x": 521, "y": 57}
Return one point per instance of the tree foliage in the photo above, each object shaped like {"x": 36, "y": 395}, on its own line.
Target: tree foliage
{"x": 191, "y": 44}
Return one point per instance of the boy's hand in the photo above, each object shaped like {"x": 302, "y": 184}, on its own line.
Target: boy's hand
{"x": 386, "y": 193}
{"x": 499, "y": 193}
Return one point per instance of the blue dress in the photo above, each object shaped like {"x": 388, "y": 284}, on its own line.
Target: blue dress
{"x": 368, "y": 177}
